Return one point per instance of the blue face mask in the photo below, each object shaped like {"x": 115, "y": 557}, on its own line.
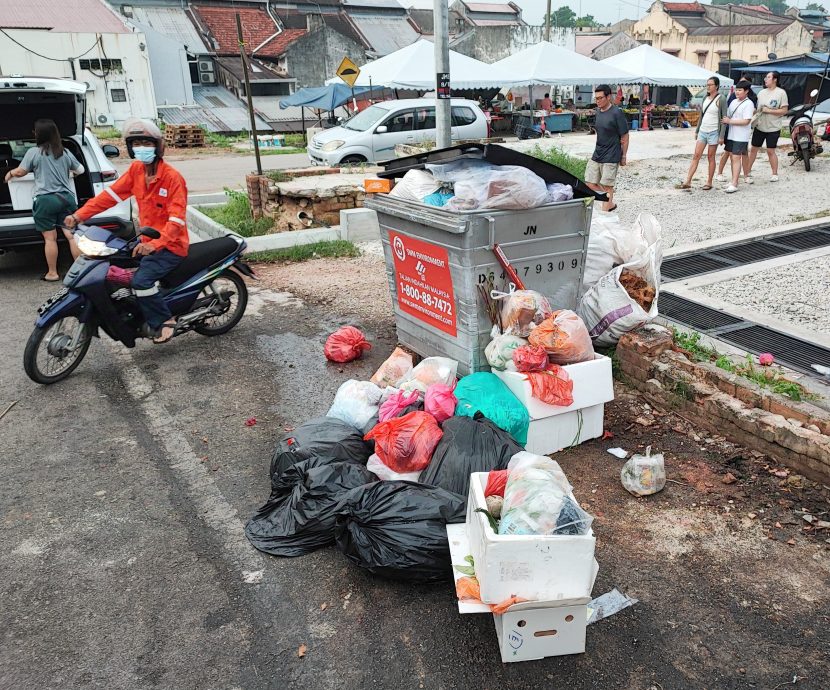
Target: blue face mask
{"x": 145, "y": 154}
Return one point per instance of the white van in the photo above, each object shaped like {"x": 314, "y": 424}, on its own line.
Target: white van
{"x": 24, "y": 100}
{"x": 371, "y": 135}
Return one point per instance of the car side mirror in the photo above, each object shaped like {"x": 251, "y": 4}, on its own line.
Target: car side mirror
{"x": 110, "y": 151}
{"x": 383, "y": 129}
{"x": 152, "y": 233}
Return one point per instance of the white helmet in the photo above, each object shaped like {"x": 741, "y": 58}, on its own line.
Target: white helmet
{"x": 136, "y": 128}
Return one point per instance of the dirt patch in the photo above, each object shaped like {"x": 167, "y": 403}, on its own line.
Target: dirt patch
{"x": 348, "y": 287}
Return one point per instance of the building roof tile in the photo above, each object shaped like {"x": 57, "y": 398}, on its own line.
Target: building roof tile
{"x": 257, "y": 28}
{"x": 68, "y": 16}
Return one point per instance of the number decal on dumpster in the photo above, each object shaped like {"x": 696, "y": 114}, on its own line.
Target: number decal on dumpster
{"x": 424, "y": 282}
{"x": 549, "y": 267}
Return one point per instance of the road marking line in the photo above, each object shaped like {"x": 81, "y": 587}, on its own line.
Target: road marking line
{"x": 214, "y": 510}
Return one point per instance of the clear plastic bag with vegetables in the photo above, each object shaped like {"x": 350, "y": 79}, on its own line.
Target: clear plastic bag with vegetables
{"x": 644, "y": 475}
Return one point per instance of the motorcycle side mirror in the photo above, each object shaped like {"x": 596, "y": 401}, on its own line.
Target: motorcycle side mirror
{"x": 152, "y": 233}
{"x": 813, "y": 93}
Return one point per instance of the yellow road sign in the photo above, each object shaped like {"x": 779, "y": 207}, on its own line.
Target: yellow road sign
{"x": 348, "y": 71}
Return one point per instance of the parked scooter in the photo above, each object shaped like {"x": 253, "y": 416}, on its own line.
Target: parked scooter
{"x": 805, "y": 145}
{"x": 206, "y": 293}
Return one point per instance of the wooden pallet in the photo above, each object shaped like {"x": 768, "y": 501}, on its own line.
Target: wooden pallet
{"x": 184, "y": 136}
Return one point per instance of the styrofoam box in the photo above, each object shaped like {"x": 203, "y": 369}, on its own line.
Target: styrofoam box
{"x": 593, "y": 384}
{"x": 536, "y": 568}
{"x": 21, "y": 190}
{"x": 533, "y": 629}
{"x": 546, "y": 436}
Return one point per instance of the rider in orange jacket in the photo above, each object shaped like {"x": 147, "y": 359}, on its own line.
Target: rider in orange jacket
{"x": 161, "y": 193}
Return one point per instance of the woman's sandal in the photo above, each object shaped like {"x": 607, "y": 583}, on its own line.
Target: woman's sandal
{"x": 166, "y": 332}
{"x": 706, "y": 187}
{"x": 682, "y": 185}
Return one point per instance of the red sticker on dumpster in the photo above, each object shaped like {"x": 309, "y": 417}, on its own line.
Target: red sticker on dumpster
{"x": 423, "y": 282}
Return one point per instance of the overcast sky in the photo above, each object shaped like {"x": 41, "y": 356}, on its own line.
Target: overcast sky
{"x": 605, "y": 11}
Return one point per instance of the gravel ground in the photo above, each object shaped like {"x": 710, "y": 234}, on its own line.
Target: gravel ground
{"x": 694, "y": 216}
{"x": 803, "y": 301}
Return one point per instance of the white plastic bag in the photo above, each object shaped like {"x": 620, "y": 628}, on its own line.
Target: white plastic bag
{"x": 644, "y": 475}
{"x": 559, "y": 192}
{"x": 499, "y": 187}
{"x": 415, "y": 185}
{"x": 429, "y": 371}
{"x": 356, "y": 403}
{"x": 608, "y": 310}
{"x": 611, "y": 244}
{"x": 385, "y": 473}
{"x": 499, "y": 351}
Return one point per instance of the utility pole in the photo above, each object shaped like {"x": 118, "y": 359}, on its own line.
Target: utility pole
{"x": 443, "y": 129}
{"x": 547, "y": 23}
{"x": 248, "y": 93}
{"x": 729, "y": 73}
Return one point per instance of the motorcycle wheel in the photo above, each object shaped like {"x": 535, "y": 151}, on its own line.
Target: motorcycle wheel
{"x": 230, "y": 286}
{"x": 806, "y": 157}
{"x": 46, "y": 359}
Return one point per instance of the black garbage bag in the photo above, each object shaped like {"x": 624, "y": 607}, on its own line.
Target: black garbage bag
{"x": 320, "y": 436}
{"x": 299, "y": 516}
{"x": 468, "y": 445}
{"x": 397, "y": 529}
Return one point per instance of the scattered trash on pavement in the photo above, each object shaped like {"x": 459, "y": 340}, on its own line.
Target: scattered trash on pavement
{"x": 618, "y": 453}
{"x": 608, "y": 604}
{"x": 346, "y": 344}
{"x": 644, "y": 475}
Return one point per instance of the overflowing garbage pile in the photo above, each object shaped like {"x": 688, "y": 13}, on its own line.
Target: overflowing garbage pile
{"x": 471, "y": 184}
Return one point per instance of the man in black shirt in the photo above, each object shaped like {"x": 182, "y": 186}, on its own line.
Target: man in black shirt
{"x": 611, "y": 149}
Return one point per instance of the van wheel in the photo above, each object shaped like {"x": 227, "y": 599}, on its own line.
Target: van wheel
{"x": 353, "y": 160}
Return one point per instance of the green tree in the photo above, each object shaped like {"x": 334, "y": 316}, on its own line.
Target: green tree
{"x": 564, "y": 17}
{"x": 816, "y": 6}
{"x": 587, "y": 21}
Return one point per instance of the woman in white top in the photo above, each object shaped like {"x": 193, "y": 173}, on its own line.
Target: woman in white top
{"x": 710, "y": 132}
{"x": 738, "y": 117}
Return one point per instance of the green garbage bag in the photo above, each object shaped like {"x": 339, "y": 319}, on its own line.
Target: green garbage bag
{"x": 484, "y": 392}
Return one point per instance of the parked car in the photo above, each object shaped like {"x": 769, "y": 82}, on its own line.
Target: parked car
{"x": 820, "y": 114}
{"x": 371, "y": 135}
{"x": 22, "y": 101}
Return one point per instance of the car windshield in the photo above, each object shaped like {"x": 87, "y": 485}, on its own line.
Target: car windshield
{"x": 366, "y": 118}
{"x": 824, "y": 106}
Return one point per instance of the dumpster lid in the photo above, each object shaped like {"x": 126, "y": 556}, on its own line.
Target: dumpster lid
{"x": 492, "y": 153}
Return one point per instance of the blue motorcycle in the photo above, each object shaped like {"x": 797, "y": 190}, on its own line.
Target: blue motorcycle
{"x": 206, "y": 293}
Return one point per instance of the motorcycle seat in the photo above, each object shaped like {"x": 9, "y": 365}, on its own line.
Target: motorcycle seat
{"x": 200, "y": 256}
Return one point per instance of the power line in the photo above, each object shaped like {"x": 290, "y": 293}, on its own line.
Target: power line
{"x": 46, "y": 57}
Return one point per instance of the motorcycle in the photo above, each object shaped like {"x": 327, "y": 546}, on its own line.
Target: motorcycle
{"x": 805, "y": 145}
{"x": 206, "y": 293}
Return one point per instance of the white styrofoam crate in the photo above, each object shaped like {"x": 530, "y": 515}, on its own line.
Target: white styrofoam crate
{"x": 546, "y": 436}
{"x": 593, "y": 384}
{"x": 536, "y": 568}
{"x": 528, "y": 630}
{"x": 21, "y": 190}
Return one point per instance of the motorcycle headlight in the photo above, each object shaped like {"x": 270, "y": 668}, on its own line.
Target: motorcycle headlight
{"x": 94, "y": 248}
{"x": 333, "y": 145}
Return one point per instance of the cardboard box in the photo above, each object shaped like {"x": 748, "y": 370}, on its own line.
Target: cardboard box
{"x": 375, "y": 185}
{"x": 537, "y": 568}
{"x": 593, "y": 384}
{"x": 546, "y": 436}
{"x": 529, "y": 630}
{"x": 21, "y": 190}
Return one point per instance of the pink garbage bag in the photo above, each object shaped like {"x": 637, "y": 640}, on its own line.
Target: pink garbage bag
{"x": 397, "y": 403}
{"x": 440, "y": 402}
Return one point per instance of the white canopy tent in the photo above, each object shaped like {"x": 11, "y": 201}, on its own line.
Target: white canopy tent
{"x": 545, "y": 63}
{"x": 648, "y": 65}
{"x": 413, "y": 68}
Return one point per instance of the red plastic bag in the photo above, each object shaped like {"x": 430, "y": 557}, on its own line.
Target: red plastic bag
{"x": 395, "y": 404}
{"x": 529, "y": 358}
{"x": 552, "y": 386}
{"x": 496, "y": 481}
{"x": 405, "y": 444}
{"x": 345, "y": 344}
{"x": 440, "y": 402}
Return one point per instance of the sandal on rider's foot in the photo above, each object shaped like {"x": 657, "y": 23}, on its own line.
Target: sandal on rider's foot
{"x": 166, "y": 332}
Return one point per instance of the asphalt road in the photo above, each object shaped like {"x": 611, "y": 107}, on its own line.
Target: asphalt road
{"x": 123, "y": 495}
{"x": 214, "y": 173}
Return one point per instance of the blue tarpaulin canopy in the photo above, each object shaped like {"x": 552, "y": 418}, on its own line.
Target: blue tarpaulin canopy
{"x": 807, "y": 63}
{"x": 322, "y": 97}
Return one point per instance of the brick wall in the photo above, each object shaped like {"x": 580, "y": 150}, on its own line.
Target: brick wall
{"x": 796, "y": 434}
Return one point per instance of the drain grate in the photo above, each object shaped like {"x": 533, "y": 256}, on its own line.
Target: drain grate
{"x": 794, "y": 352}
{"x": 693, "y": 314}
{"x": 790, "y": 351}
{"x": 688, "y": 266}
{"x": 711, "y": 260}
